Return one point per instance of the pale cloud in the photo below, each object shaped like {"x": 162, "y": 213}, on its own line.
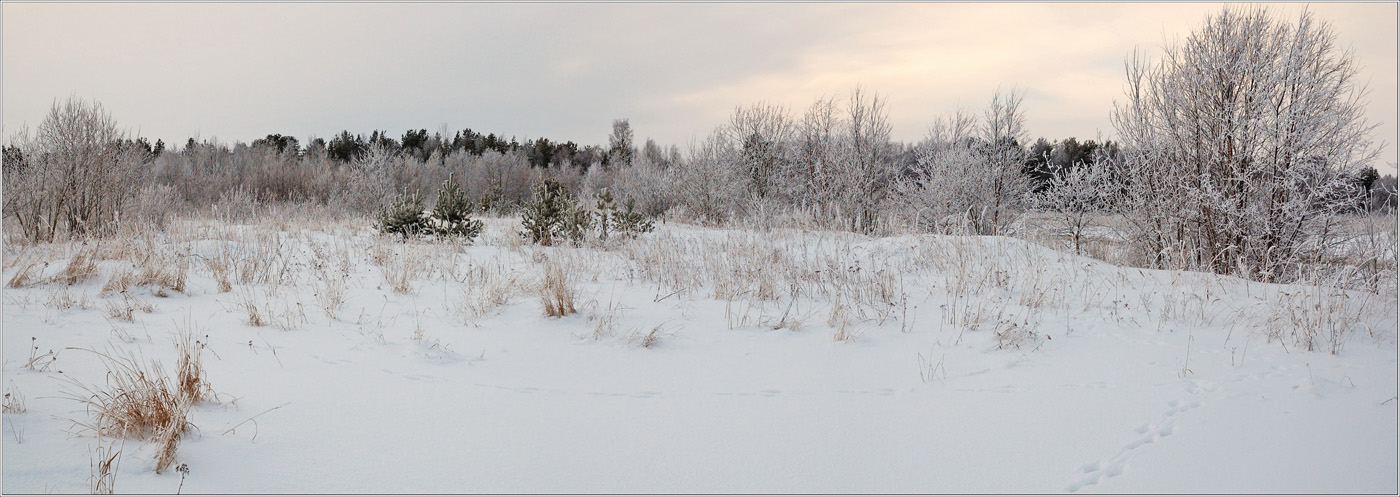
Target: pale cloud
{"x": 240, "y": 71}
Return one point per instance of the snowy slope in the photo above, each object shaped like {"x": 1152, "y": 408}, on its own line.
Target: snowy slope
{"x": 782, "y": 362}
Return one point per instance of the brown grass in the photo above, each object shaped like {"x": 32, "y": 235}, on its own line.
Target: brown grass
{"x": 126, "y": 308}
{"x": 650, "y": 338}
{"x": 141, "y": 402}
{"x": 14, "y": 401}
{"x": 158, "y": 274}
{"x": 23, "y": 276}
{"x": 104, "y": 468}
{"x": 220, "y": 268}
{"x": 557, "y": 291}
{"x": 189, "y": 375}
{"x": 81, "y": 267}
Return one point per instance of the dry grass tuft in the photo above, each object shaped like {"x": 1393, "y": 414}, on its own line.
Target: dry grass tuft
{"x": 81, "y": 267}
{"x": 1318, "y": 316}
{"x": 650, "y": 338}
{"x": 14, "y": 401}
{"x": 138, "y": 402}
{"x": 104, "y": 468}
{"x": 158, "y": 274}
{"x": 190, "y": 377}
{"x": 142, "y": 402}
{"x": 127, "y": 307}
{"x": 487, "y": 286}
{"x": 557, "y": 291}
{"x": 269, "y": 308}
{"x": 62, "y": 298}
{"x": 23, "y": 276}
{"x": 220, "y": 268}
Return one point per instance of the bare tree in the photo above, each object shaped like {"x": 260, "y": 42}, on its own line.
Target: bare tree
{"x": 966, "y": 176}
{"x": 621, "y": 148}
{"x": 1241, "y": 142}
{"x": 761, "y": 133}
{"x": 705, "y": 183}
{"x": 948, "y": 189}
{"x": 866, "y": 166}
{"x": 1076, "y": 194}
{"x": 370, "y": 184}
{"x": 1002, "y": 133}
{"x": 75, "y": 174}
{"x": 818, "y": 149}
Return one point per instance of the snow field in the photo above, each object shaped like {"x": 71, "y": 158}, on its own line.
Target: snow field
{"x": 698, "y": 360}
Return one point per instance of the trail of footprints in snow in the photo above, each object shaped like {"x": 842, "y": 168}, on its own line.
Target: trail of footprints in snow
{"x": 1095, "y": 472}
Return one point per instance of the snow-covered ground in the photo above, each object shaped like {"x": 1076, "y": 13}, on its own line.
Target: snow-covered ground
{"x": 700, "y": 361}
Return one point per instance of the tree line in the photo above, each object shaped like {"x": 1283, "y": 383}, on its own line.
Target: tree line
{"x": 1249, "y": 181}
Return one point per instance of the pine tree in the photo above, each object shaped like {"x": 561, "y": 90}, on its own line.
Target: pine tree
{"x": 492, "y": 199}
{"x": 543, "y": 216}
{"x": 404, "y": 216}
{"x": 451, "y": 217}
{"x": 631, "y": 222}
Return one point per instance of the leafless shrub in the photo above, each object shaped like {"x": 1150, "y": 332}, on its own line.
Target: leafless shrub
{"x": 152, "y": 206}
{"x": 73, "y": 176}
{"x": 1250, "y": 194}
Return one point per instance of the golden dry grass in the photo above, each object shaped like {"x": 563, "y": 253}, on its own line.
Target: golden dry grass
{"x": 104, "y": 468}
{"x": 24, "y": 275}
{"x": 557, "y": 290}
{"x": 139, "y": 401}
{"x": 81, "y": 267}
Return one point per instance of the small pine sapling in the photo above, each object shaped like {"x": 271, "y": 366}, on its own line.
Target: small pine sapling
{"x": 451, "y": 217}
{"x": 543, "y": 214}
{"x": 631, "y": 222}
{"x": 553, "y": 214}
{"x": 404, "y": 216}
{"x": 492, "y": 200}
{"x": 577, "y": 222}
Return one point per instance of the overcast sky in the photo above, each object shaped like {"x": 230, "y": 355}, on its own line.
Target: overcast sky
{"x": 565, "y": 71}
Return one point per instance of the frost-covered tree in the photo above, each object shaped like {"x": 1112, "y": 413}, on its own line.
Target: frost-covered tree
{"x": 1076, "y": 194}
{"x": 76, "y": 175}
{"x": 705, "y": 183}
{"x": 1241, "y": 142}
{"x": 1002, "y": 132}
{"x": 967, "y": 175}
{"x": 621, "y": 149}
{"x": 370, "y": 183}
{"x": 948, "y": 189}
{"x": 818, "y": 150}
{"x": 866, "y": 165}
{"x": 761, "y": 134}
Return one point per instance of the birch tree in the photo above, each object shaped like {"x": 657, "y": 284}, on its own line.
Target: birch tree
{"x": 1241, "y": 142}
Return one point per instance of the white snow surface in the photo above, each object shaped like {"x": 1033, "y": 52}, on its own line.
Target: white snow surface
{"x": 1134, "y": 381}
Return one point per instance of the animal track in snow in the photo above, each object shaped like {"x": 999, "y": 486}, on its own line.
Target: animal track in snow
{"x": 1095, "y": 472}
